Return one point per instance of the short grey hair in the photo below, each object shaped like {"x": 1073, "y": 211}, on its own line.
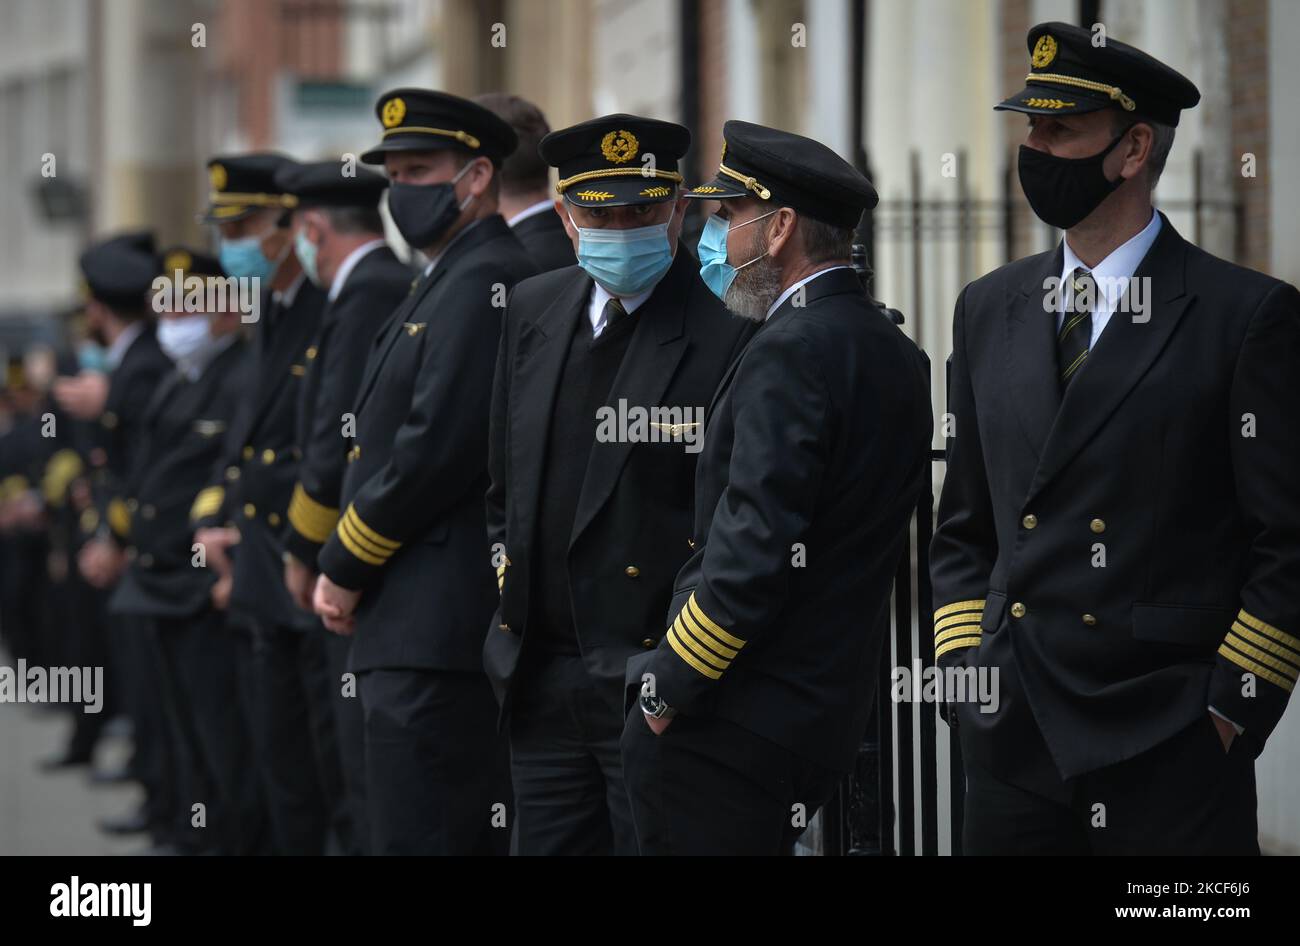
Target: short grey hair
{"x": 349, "y": 220}
{"x": 824, "y": 241}
{"x": 1162, "y": 142}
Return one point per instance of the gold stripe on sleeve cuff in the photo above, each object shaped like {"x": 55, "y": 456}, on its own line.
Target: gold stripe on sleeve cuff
{"x": 1241, "y": 660}
{"x": 957, "y": 643}
{"x": 680, "y": 649}
{"x": 207, "y": 502}
{"x": 1282, "y": 637}
{"x": 354, "y": 545}
{"x": 369, "y": 534}
{"x": 312, "y": 520}
{"x": 975, "y": 604}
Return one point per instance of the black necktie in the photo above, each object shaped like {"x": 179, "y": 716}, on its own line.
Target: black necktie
{"x": 613, "y": 313}
{"x": 1076, "y": 326}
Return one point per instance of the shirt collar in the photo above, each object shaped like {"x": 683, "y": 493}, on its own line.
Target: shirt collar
{"x": 117, "y": 350}
{"x": 349, "y": 263}
{"x": 792, "y": 289}
{"x": 1112, "y": 274}
{"x": 532, "y": 210}
{"x": 285, "y": 297}
{"x": 468, "y": 227}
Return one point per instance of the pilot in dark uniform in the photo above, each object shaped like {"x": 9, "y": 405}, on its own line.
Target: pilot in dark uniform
{"x": 589, "y": 526}
{"x": 815, "y": 451}
{"x": 405, "y": 570}
{"x": 339, "y": 239}
{"x": 282, "y": 647}
{"x": 119, "y": 274}
{"x": 1119, "y": 532}
{"x": 167, "y": 588}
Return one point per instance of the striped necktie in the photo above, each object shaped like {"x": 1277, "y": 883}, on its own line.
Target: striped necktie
{"x": 611, "y": 315}
{"x": 1076, "y": 326}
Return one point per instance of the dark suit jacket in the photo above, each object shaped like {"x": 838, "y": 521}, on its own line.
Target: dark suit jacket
{"x": 181, "y": 438}
{"x": 544, "y": 238}
{"x": 131, "y": 386}
{"x": 411, "y": 533}
{"x": 1162, "y": 559}
{"x": 815, "y": 453}
{"x": 375, "y": 287}
{"x": 633, "y": 525}
{"x": 254, "y": 480}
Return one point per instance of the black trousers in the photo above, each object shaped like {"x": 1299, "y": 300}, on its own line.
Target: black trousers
{"x": 161, "y": 758}
{"x": 350, "y": 727}
{"x": 437, "y": 770}
{"x": 1184, "y": 796}
{"x": 201, "y": 683}
{"x": 566, "y": 762}
{"x": 295, "y": 738}
{"x": 709, "y": 786}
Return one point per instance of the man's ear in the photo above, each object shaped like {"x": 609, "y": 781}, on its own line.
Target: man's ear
{"x": 1137, "y": 151}
{"x": 784, "y": 223}
{"x": 480, "y": 176}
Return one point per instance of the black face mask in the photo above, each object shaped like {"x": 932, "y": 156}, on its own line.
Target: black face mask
{"x": 423, "y": 212}
{"x": 1063, "y": 191}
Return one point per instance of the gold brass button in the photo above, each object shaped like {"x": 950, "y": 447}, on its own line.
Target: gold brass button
{"x": 504, "y": 627}
{"x": 1029, "y": 521}
{"x": 248, "y": 452}
{"x": 268, "y": 457}
{"x": 648, "y": 643}
{"x": 273, "y": 518}
{"x": 1089, "y": 620}
{"x": 232, "y": 472}
{"x": 1017, "y": 610}
{"x": 353, "y": 454}
{"x": 631, "y": 571}
{"x": 249, "y": 510}
{"x": 1098, "y": 526}
{"x": 311, "y": 352}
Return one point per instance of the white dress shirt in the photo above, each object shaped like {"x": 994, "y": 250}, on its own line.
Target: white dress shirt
{"x": 600, "y": 295}
{"x": 116, "y": 351}
{"x": 795, "y": 288}
{"x": 1121, "y": 264}
{"x": 532, "y": 210}
{"x": 350, "y": 263}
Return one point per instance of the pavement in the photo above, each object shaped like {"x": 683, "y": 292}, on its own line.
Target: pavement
{"x": 44, "y": 813}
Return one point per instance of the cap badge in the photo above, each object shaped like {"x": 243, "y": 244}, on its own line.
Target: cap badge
{"x": 1044, "y": 52}
{"x": 619, "y": 146}
{"x": 178, "y": 259}
{"x": 217, "y": 177}
{"x": 393, "y": 113}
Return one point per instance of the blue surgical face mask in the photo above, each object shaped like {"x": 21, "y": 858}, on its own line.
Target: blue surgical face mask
{"x": 243, "y": 258}
{"x": 92, "y": 357}
{"x": 625, "y": 262}
{"x": 716, "y": 272}
{"x": 305, "y": 250}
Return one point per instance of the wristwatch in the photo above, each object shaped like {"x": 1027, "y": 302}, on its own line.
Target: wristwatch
{"x": 655, "y": 707}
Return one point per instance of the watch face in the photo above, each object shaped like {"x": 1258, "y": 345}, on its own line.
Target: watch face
{"x": 651, "y": 704}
